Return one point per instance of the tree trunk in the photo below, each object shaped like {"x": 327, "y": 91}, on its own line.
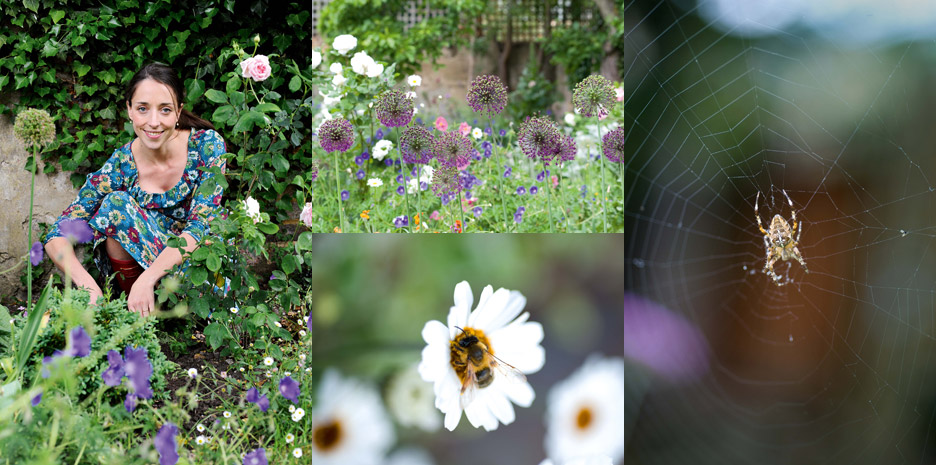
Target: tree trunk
{"x": 609, "y": 64}
{"x": 502, "y": 69}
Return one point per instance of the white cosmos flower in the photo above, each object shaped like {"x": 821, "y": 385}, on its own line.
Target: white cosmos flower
{"x": 374, "y": 182}
{"x": 585, "y": 412}
{"x": 316, "y": 59}
{"x": 382, "y": 148}
{"x": 349, "y": 423}
{"x": 344, "y": 43}
{"x": 411, "y": 401}
{"x": 414, "y": 80}
{"x": 510, "y": 337}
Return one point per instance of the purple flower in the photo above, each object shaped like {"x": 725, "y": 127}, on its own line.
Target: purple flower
{"x": 393, "y": 109}
{"x": 477, "y": 211}
{"x": 521, "y": 190}
{"x": 503, "y": 132}
{"x": 358, "y": 160}
{"x": 518, "y": 217}
{"x": 401, "y": 221}
{"x": 345, "y": 195}
{"x": 662, "y": 340}
{"x": 379, "y": 134}
{"x": 289, "y": 388}
{"x": 80, "y": 343}
{"x": 309, "y": 322}
{"x": 139, "y": 370}
{"x": 416, "y": 145}
{"x": 534, "y": 190}
{"x": 360, "y": 174}
{"x": 399, "y": 190}
{"x": 130, "y": 402}
{"x": 487, "y": 94}
{"x": 584, "y": 189}
{"x": 336, "y": 135}
{"x": 445, "y": 181}
{"x": 76, "y": 231}
{"x": 35, "y": 400}
{"x": 35, "y": 253}
{"x": 46, "y": 361}
{"x": 451, "y": 148}
{"x": 312, "y": 174}
{"x": 594, "y": 96}
{"x": 165, "y": 444}
{"x": 539, "y": 139}
{"x": 507, "y": 171}
{"x": 542, "y": 175}
{"x": 254, "y": 396}
{"x": 255, "y": 457}
{"x": 613, "y": 145}
{"x": 115, "y": 370}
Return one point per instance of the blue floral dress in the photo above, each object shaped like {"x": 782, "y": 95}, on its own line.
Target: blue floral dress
{"x": 114, "y": 204}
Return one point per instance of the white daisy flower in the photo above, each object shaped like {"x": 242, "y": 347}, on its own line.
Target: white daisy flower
{"x": 278, "y": 324}
{"x": 292, "y": 408}
{"x": 287, "y": 373}
{"x": 268, "y": 361}
{"x": 302, "y": 333}
{"x": 200, "y": 428}
{"x": 297, "y": 452}
{"x": 241, "y": 369}
{"x": 290, "y": 438}
{"x": 298, "y": 414}
{"x": 192, "y": 372}
{"x": 411, "y": 401}
{"x": 234, "y": 310}
{"x": 227, "y": 414}
{"x": 349, "y": 423}
{"x": 511, "y": 338}
{"x": 302, "y": 357}
{"x": 200, "y": 440}
{"x": 414, "y": 80}
{"x": 409, "y": 456}
{"x": 374, "y": 182}
{"x": 477, "y": 133}
{"x": 585, "y": 412}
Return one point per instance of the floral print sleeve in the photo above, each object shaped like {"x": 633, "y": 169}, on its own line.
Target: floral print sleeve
{"x": 206, "y": 204}
{"x": 99, "y": 183}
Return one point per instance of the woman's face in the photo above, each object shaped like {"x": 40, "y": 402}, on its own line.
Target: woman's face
{"x": 154, "y": 113}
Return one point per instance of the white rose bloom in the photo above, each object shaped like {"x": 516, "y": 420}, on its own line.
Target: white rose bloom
{"x": 351, "y": 419}
{"x": 410, "y": 399}
{"x": 344, "y": 43}
{"x": 339, "y": 80}
{"x": 498, "y": 323}
{"x": 411, "y": 186}
{"x": 382, "y": 148}
{"x": 252, "y": 208}
{"x": 414, "y": 80}
{"x": 360, "y": 63}
{"x": 335, "y": 68}
{"x": 316, "y": 58}
{"x": 374, "y": 182}
{"x": 585, "y": 412}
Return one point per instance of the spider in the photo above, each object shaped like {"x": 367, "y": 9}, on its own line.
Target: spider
{"x": 779, "y": 240}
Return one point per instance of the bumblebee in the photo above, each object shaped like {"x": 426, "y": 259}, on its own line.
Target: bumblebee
{"x": 475, "y": 363}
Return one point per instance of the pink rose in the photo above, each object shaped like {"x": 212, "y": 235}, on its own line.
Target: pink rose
{"x": 306, "y": 215}
{"x": 464, "y": 129}
{"x": 441, "y": 124}
{"x": 256, "y": 67}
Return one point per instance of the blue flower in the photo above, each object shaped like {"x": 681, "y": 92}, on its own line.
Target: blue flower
{"x": 254, "y": 396}
{"x": 345, "y": 195}
{"x": 399, "y": 190}
{"x": 289, "y": 388}
{"x": 255, "y": 457}
{"x": 76, "y": 231}
{"x": 35, "y": 400}
{"x": 477, "y": 211}
{"x": 521, "y": 190}
{"x": 165, "y": 444}
{"x": 401, "y": 221}
{"x": 80, "y": 343}
{"x": 507, "y": 172}
{"x": 360, "y": 174}
{"x": 35, "y": 253}
{"x": 534, "y": 190}
{"x": 115, "y": 370}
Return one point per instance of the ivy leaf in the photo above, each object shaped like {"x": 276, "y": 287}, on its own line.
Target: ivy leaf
{"x": 109, "y": 112}
{"x": 81, "y": 68}
{"x": 216, "y": 96}
{"x": 196, "y": 89}
{"x": 247, "y": 121}
{"x": 32, "y": 5}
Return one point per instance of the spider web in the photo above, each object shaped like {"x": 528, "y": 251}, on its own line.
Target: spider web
{"x": 836, "y": 365}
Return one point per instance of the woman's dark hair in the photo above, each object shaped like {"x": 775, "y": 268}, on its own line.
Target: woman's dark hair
{"x": 166, "y": 75}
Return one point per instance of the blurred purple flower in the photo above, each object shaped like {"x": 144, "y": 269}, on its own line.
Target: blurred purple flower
{"x": 115, "y": 370}
{"x": 165, "y": 444}
{"x": 336, "y": 135}
{"x": 534, "y": 190}
{"x": 451, "y": 148}
{"x": 401, "y": 221}
{"x": 507, "y": 171}
{"x": 255, "y": 457}
{"x": 542, "y": 175}
{"x": 309, "y": 322}
{"x": 379, "y": 134}
{"x": 35, "y": 253}
{"x": 613, "y": 145}
{"x": 289, "y": 388}
{"x": 35, "y": 400}
{"x": 139, "y": 370}
{"x": 662, "y": 340}
{"x": 521, "y": 190}
{"x": 399, "y": 190}
{"x": 360, "y": 174}
{"x": 503, "y": 132}
{"x": 393, "y": 109}
{"x": 76, "y": 231}
{"x": 130, "y": 402}
{"x": 80, "y": 343}
{"x": 345, "y": 195}
{"x": 254, "y": 396}
{"x": 477, "y": 211}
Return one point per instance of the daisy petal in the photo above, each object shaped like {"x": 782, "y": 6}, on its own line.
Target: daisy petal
{"x": 501, "y": 408}
{"x": 490, "y": 310}
{"x": 452, "y": 418}
{"x": 519, "y": 346}
{"x": 435, "y": 332}
{"x": 479, "y": 414}
{"x": 519, "y": 393}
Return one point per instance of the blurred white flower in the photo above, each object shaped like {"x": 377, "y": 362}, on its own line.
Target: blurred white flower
{"x": 192, "y": 372}
{"x": 409, "y": 456}
{"x": 200, "y": 440}
{"x": 382, "y": 148}
{"x": 360, "y": 63}
{"x": 315, "y": 59}
{"x": 290, "y": 438}
{"x": 328, "y": 100}
{"x": 349, "y": 423}
{"x": 227, "y": 414}
{"x": 297, "y": 452}
{"x": 411, "y": 401}
{"x": 425, "y": 175}
{"x": 339, "y": 80}
{"x": 515, "y": 341}
{"x": 411, "y": 186}
{"x": 585, "y": 412}
{"x": 200, "y": 428}
{"x": 268, "y": 361}
{"x": 590, "y": 460}
{"x": 414, "y": 80}
{"x": 252, "y": 208}
{"x": 292, "y": 408}
{"x": 374, "y": 182}
{"x": 306, "y": 215}
{"x": 477, "y": 133}
{"x": 569, "y": 119}
{"x": 234, "y": 310}
{"x": 410, "y": 95}
{"x": 335, "y": 68}
{"x": 344, "y": 43}
{"x": 298, "y": 414}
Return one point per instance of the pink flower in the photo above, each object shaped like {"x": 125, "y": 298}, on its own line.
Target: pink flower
{"x": 619, "y": 94}
{"x": 464, "y": 129}
{"x": 441, "y": 124}
{"x": 306, "y": 215}
{"x": 435, "y": 213}
{"x": 256, "y": 67}
{"x": 463, "y": 163}
{"x": 554, "y": 180}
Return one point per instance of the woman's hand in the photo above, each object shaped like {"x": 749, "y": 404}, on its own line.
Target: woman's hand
{"x": 142, "y": 298}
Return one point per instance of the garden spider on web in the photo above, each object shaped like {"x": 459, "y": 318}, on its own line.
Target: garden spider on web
{"x": 779, "y": 240}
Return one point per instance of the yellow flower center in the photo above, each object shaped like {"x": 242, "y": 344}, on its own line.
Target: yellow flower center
{"x": 327, "y": 436}
{"x": 584, "y": 418}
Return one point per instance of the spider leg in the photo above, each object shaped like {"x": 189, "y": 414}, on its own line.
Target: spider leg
{"x": 799, "y": 258}
{"x": 792, "y": 211}
{"x": 759, "y": 224}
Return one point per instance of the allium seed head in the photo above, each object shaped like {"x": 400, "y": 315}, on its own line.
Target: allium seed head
{"x": 336, "y": 134}
{"x": 487, "y": 94}
{"x": 394, "y": 108}
{"x": 445, "y": 180}
{"x": 567, "y": 148}
{"x": 539, "y": 139}
{"x": 594, "y": 96}
{"x": 612, "y": 144}
{"x": 34, "y": 127}
{"x": 451, "y": 148}
{"x": 416, "y": 145}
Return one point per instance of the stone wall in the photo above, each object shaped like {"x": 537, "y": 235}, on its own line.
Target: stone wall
{"x": 53, "y": 194}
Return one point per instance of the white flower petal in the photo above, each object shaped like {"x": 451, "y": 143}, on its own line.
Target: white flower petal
{"x": 435, "y": 332}
{"x": 479, "y": 414}
{"x": 458, "y": 314}
{"x": 501, "y": 407}
{"x": 519, "y": 346}
{"x": 519, "y": 393}
{"x": 452, "y": 418}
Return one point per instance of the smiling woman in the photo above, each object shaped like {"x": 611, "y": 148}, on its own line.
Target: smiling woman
{"x": 146, "y": 193}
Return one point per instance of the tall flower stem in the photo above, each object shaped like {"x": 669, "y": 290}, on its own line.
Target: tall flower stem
{"x": 604, "y": 207}
{"x": 404, "y": 172}
{"x": 500, "y": 180}
{"x": 461, "y": 206}
{"x": 562, "y": 195}
{"x": 418, "y": 193}
{"x": 548, "y": 199}
{"x": 32, "y": 196}
{"x": 338, "y": 195}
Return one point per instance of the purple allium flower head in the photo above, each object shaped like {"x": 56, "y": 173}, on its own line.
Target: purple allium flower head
{"x": 130, "y": 402}
{"x": 336, "y": 135}
{"x": 416, "y": 144}
{"x": 35, "y": 400}
{"x": 477, "y": 211}
{"x": 521, "y": 190}
{"x": 394, "y": 109}
{"x": 289, "y": 388}
{"x": 445, "y": 181}
{"x": 451, "y": 148}
{"x": 567, "y": 148}
{"x": 345, "y": 195}
{"x": 613, "y": 145}
{"x": 360, "y": 174}
{"x": 35, "y": 253}
{"x": 487, "y": 94}
{"x": 254, "y": 396}
{"x": 115, "y": 370}
{"x": 539, "y": 139}
{"x": 80, "y": 343}
{"x": 401, "y": 221}
{"x": 256, "y": 457}
{"x": 594, "y": 96}
{"x": 534, "y": 190}
{"x": 139, "y": 370}
{"x": 165, "y": 444}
